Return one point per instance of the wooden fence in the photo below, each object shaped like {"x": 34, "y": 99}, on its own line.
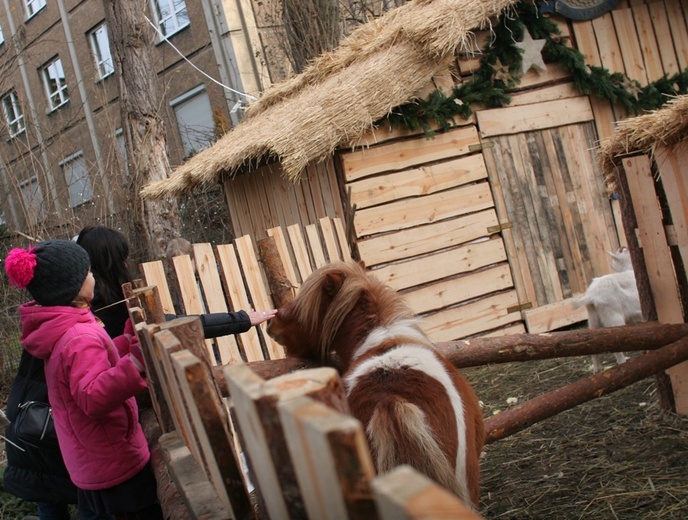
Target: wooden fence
{"x": 305, "y": 455}
{"x": 229, "y": 277}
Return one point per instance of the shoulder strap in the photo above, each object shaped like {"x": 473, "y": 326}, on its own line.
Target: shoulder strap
{"x": 26, "y": 378}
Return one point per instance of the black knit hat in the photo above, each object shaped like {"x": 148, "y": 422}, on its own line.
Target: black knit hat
{"x": 53, "y": 271}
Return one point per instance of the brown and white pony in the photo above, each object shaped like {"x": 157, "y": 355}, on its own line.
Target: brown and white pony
{"x": 416, "y": 407}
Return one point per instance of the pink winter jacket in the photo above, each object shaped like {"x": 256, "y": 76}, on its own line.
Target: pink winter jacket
{"x": 91, "y": 387}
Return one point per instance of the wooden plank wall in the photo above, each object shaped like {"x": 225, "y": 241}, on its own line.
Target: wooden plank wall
{"x": 541, "y": 162}
{"x": 264, "y": 199}
{"x": 644, "y": 40}
{"x": 658, "y": 199}
{"x": 426, "y": 225}
{"x": 230, "y": 277}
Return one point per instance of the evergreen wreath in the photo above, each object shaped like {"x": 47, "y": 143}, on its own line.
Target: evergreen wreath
{"x": 490, "y": 90}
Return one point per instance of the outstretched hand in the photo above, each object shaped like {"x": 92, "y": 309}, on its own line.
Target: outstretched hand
{"x": 258, "y": 317}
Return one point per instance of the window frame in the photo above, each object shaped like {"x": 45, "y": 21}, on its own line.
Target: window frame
{"x": 188, "y": 136}
{"x": 36, "y": 212}
{"x": 18, "y": 113}
{"x": 102, "y": 63}
{"x": 30, "y": 13}
{"x": 61, "y": 92}
{"x": 87, "y": 186}
{"x": 173, "y": 15}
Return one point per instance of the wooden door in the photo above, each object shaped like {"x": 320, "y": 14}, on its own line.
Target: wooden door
{"x": 551, "y": 191}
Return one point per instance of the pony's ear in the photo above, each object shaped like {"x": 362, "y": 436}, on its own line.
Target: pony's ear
{"x": 333, "y": 282}
{"x": 362, "y": 264}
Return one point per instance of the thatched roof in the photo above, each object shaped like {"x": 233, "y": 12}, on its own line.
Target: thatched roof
{"x": 342, "y": 93}
{"x": 665, "y": 127}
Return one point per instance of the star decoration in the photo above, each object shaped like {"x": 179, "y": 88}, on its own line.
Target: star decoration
{"x": 631, "y": 86}
{"x": 501, "y": 72}
{"x": 532, "y": 53}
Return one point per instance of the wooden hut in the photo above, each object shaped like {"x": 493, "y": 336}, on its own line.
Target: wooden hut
{"x": 490, "y": 227}
{"x": 645, "y": 159}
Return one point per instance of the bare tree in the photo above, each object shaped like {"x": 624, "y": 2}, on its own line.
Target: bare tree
{"x": 311, "y": 27}
{"x": 154, "y": 222}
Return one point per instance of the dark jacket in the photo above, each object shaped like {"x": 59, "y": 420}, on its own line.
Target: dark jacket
{"x": 220, "y": 324}
{"x": 214, "y": 325}
{"x": 37, "y": 474}
{"x": 113, "y": 317}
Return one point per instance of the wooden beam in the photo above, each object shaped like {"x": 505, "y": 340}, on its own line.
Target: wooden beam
{"x": 582, "y": 342}
{"x": 544, "y": 406}
{"x": 514, "y": 347}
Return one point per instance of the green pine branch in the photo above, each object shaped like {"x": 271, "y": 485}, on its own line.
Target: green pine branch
{"x": 485, "y": 91}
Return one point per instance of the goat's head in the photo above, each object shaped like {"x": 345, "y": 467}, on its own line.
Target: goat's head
{"x": 621, "y": 260}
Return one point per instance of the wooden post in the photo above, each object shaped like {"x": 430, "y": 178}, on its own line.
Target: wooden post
{"x": 266, "y": 369}
{"x": 280, "y": 287}
{"x": 265, "y": 449}
{"x": 167, "y": 344}
{"x": 200, "y": 499}
{"x": 660, "y": 266}
{"x": 520, "y": 417}
{"x": 671, "y": 165}
{"x": 332, "y": 460}
{"x": 154, "y": 374}
{"x": 406, "y": 494}
{"x": 255, "y": 404}
{"x": 216, "y": 442}
{"x": 149, "y": 301}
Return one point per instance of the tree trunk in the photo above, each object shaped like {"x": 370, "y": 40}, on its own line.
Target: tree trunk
{"x": 153, "y": 223}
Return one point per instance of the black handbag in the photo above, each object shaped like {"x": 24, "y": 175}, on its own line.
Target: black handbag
{"x": 34, "y": 422}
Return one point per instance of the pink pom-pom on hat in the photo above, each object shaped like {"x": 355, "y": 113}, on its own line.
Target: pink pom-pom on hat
{"x": 20, "y": 265}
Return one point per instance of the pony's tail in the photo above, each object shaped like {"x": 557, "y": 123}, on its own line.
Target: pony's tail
{"x": 399, "y": 434}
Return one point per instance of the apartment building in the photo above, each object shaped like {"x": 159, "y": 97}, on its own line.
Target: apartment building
{"x": 62, "y": 152}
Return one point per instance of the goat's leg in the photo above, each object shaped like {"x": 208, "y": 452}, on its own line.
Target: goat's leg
{"x": 620, "y": 357}
{"x": 608, "y": 319}
{"x": 594, "y": 323}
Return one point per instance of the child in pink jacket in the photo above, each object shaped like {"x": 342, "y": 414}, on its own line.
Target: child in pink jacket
{"x": 92, "y": 381}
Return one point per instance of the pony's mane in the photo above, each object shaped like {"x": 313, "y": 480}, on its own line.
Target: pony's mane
{"x": 386, "y": 305}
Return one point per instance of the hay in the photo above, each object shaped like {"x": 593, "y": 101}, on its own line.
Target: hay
{"x": 615, "y": 457}
{"x": 339, "y": 97}
{"x": 643, "y": 134}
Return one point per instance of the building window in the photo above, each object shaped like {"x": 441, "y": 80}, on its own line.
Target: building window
{"x": 101, "y": 51}
{"x": 172, "y": 15}
{"x": 195, "y": 120}
{"x": 76, "y": 175}
{"x": 34, "y": 203}
{"x": 33, "y": 6}
{"x": 2, "y": 37}
{"x": 55, "y": 84}
{"x": 13, "y": 113}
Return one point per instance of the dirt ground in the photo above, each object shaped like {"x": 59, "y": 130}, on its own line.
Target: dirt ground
{"x": 617, "y": 457}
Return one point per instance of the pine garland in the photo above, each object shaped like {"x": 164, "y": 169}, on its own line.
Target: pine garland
{"x": 488, "y": 90}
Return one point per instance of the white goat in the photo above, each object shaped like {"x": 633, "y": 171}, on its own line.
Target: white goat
{"x": 612, "y": 300}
